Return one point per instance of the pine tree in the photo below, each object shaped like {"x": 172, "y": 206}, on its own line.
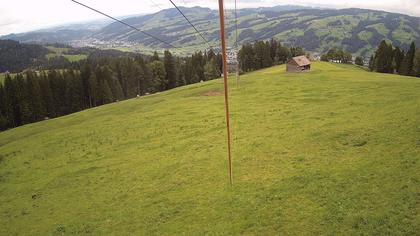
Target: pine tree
{"x": 398, "y": 59}
{"x": 210, "y": 55}
{"x": 85, "y": 74}
{"x": 155, "y": 57}
{"x": 93, "y": 90}
{"x": 297, "y": 51}
{"x": 383, "y": 59}
{"x": 115, "y": 87}
{"x": 23, "y": 113}
{"x": 104, "y": 91}
{"x": 197, "y": 67}
{"x": 129, "y": 81}
{"x": 389, "y": 59}
{"x": 73, "y": 92}
{"x": 372, "y": 63}
{"x": 144, "y": 80}
{"x": 58, "y": 88}
{"x": 4, "y": 124}
{"x": 407, "y": 66}
{"x": 259, "y": 48}
{"x": 417, "y": 63}
{"x": 180, "y": 78}
{"x": 273, "y": 50}
{"x": 158, "y": 71}
{"x": 34, "y": 98}
{"x": 10, "y": 101}
{"x": 211, "y": 70}
{"x": 169, "y": 64}
{"x": 186, "y": 68}
{"x": 267, "y": 59}
{"x": 359, "y": 61}
{"x": 138, "y": 78}
{"x": 119, "y": 75}
{"x": 283, "y": 54}
{"x": 46, "y": 95}
{"x": 113, "y": 83}
{"x": 107, "y": 96}
{"x": 219, "y": 62}
{"x": 247, "y": 58}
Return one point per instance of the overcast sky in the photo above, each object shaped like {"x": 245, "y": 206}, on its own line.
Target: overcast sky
{"x": 24, "y": 15}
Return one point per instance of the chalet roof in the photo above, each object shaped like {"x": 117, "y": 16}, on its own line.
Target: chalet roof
{"x": 301, "y": 60}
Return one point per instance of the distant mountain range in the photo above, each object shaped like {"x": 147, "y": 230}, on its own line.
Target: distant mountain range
{"x": 356, "y": 30}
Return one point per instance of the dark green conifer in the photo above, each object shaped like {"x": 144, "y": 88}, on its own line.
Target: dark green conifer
{"x": 407, "y": 66}
{"x": 169, "y": 64}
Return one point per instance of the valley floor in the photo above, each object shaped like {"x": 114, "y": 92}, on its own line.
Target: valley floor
{"x": 335, "y": 151}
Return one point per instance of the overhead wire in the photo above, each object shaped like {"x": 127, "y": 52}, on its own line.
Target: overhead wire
{"x": 126, "y": 24}
{"x": 186, "y": 18}
{"x": 187, "y": 34}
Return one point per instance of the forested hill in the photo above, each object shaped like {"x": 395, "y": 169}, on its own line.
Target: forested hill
{"x": 15, "y": 56}
{"x": 358, "y": 31}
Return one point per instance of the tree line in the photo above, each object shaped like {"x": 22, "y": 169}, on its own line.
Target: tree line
{"x": 389, "y": 59}
{"x": 337, "y": 55}
{"x": 108, "y": 76}
{"x": 37, "y": 95}
{"x": 263, "y": 54}
{"x": 15, "y": 56}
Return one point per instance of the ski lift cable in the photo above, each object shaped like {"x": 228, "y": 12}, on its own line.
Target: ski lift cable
{"x": 128, "y": 25}
{"x": 192, "y": 25}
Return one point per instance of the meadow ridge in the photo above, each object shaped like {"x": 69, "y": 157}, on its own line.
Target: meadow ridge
{"x": 334, "y": 151}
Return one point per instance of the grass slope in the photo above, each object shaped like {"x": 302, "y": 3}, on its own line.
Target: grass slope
{"x": 57, "y": 52}
{"x": 334, "y": 151}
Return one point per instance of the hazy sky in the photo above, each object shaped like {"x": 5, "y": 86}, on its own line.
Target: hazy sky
{"x": 24, "y": 15}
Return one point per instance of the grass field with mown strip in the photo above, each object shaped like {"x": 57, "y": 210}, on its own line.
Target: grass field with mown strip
{"x": 334, "y": 151}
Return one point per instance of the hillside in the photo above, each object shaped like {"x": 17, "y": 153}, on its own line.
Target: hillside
{"x": 334, "y": 151}
{"x": 16, "y": 57}
{"x": 62, "y": 33}
{"x": 356, "y": 30}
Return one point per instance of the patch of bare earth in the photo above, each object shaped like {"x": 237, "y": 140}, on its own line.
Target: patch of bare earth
{"x": 212, "y": 93}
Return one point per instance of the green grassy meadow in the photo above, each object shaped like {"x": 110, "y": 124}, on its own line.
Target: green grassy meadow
{"x": 335, "y": 151}
{"x": 57, "y": 51}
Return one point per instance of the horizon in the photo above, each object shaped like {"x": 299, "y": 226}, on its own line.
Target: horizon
{"x": 15, "y": 25}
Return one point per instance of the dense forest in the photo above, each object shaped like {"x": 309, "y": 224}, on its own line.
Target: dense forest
{"x": 109, "y": 76}
{"x": 15, "y": 57}
{"x": 262, "y": 54}
{"x": 36, "y": 95}
{"x": 389, "y": 59}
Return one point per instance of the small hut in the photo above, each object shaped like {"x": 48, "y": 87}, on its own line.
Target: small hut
{"x": 297, "y": 64}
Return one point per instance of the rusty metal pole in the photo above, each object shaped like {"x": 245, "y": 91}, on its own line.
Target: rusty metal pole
{"x": 225, "y": 80}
